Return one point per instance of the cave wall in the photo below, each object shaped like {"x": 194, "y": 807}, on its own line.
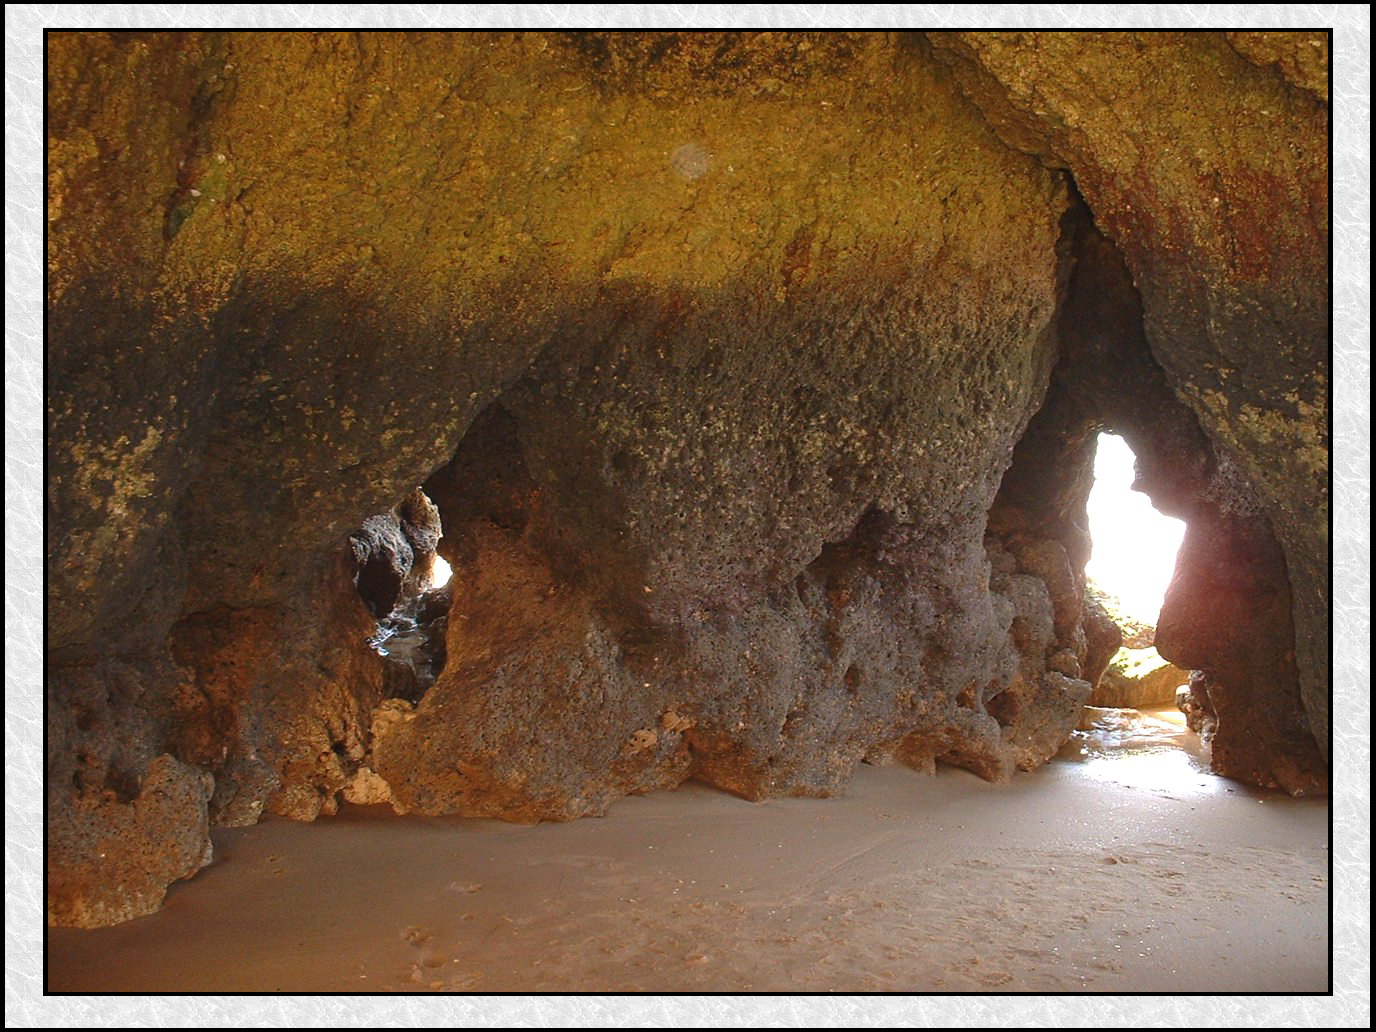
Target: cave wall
{"x": 1204, "y": 157}
{"x": 1228, "y": 612}
{"x": 754, "y": 322}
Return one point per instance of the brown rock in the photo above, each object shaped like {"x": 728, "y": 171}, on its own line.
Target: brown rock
{"x": 1232, "y": 579}
{"x": 1222, "y": 218}
{"x": 533, "y": 714}
{"x": 1192, "y": 699}
{"x": 1103, "y": 637}
{"x": 728, "y": 420}
{"x": 1137, "y": 679}
{"x": 279, "y": 699}
{"x": 1301, "y": 57}
{"x": 1226, "y": 605}
{"x": 111, "y": 860}
{"x": 394, "y": 552}
{"x": 1037, "y": 717}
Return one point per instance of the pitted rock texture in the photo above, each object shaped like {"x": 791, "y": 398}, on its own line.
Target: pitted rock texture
{"x": 712, "y": 351}
{"x": 158, "y": 836}
{"x": 278, "y": 699}
{"x": 1227, "y": 610}
{"x": 1204, "y": 157}
{"x": 394, "y": 552}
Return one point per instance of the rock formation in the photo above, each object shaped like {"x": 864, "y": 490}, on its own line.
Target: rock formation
{"x": 1138, "y": 679}
{"x": 1212, "y": 181}
{"x": 712, "y": 351}
{"x": 394, "y": 552}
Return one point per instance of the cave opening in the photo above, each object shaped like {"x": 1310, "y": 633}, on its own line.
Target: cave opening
{"x": 404, "y": 583}
{"x": 1134, "y": 545}
{"x": 1131, "y": 563}
{"x": 754, "y": 470}
{"x": 1134, "y": 732}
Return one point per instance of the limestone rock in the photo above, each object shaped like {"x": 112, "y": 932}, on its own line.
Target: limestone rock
{"x": 1222, "y": 218}
{"x": 1037, "y": 717}
{"x": 1137, "y": 679}
{"x": 367, "y": 788}
{"x": 747, "y": 417}
{"x": 531, "y": 717}
{"x": 111, "y": 860}
{"x": 1226, "y": 610}
{"x": 1103, "y": 638}
{"x": 394, "y": 552}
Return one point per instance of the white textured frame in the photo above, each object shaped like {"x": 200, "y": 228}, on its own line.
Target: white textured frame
{"x": 1350, "y": 1004}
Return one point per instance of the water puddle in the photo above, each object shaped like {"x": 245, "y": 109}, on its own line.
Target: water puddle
{"x": 1150, "y": 749}
{"x": 412, "y": 636}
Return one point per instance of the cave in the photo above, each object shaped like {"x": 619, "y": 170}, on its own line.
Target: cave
{"x": 1135, "y": 548}
{"x": 745, "y": 389}
{"x": 1134, "y": 555}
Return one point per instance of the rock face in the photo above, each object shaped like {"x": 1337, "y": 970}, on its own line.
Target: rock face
{"x": 1226, "y": 612}
{"x": 712, "y": 352}
{"x": 1137, "y": 679}
{"x": 394, "y": 552}
{"x": 151, "y": 839}
{"x": 1219, "y": 206}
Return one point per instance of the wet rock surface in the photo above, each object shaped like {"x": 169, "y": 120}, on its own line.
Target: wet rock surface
{"x": 412, "y": 637}
{"x": 712, "y": 352}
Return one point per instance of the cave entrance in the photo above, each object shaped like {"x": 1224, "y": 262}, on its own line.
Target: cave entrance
{"x": 1134, "y": 727}
{"x": 404, "y": 582}
{"x": 1131, "y": 562}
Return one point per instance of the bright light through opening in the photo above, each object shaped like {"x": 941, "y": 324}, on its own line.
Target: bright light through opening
{"x": 1134, "y": 545}
{"x": 439, "y": 574}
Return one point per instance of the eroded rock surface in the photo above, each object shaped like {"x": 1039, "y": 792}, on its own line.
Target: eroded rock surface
{"x": 1226, "y": 612}
{"x": 712, "y": 351}
{"x": 156, "y": 837}
{"x": 1204, "y": 157}
{"x": 394, "y": 552}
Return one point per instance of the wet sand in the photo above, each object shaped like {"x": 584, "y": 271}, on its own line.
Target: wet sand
{"x": 1121, "y": 866}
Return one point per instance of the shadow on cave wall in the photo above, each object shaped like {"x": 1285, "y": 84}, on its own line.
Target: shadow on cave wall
{"x": 546, "y": 581}
{"x": 874, "y": 636}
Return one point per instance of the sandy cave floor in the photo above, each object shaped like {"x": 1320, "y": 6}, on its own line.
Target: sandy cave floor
{"x": 1124, "y": 865}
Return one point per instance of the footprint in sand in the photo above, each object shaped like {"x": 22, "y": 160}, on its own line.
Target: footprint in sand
{"x": 417, "y": 936}
{"x": 432, "y": 958}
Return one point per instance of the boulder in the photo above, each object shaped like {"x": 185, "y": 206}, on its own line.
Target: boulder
{"x": 1138, "y": 679}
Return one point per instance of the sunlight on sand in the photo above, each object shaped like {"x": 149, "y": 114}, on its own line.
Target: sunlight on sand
{"x": 1151, "y": 750}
